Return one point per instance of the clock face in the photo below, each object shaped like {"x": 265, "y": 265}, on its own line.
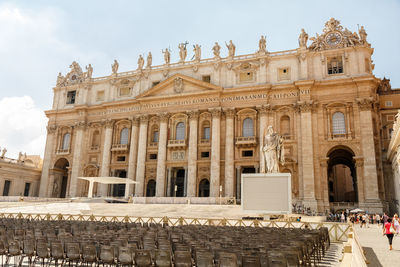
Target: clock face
{"x": 333, "y": 38}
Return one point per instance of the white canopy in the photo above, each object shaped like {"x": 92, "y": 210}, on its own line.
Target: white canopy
{"x": 107, "y": 180}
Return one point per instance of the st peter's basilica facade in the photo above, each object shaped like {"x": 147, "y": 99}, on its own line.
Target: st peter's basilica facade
{"x": 188, "y": 130}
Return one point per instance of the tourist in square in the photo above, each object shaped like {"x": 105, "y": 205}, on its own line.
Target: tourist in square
{"x": 378, "y": 219}
{"x": 389, "y": 231}
{"x": 396, "y": 223}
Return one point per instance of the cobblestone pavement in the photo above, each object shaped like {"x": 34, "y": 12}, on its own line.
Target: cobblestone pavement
{"x": 376, "y": 246}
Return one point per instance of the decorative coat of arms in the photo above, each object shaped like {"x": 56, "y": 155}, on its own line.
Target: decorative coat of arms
{"x": 178, "y": 85}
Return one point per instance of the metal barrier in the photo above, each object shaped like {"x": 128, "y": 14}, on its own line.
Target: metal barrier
{"x": 338, "y": 232}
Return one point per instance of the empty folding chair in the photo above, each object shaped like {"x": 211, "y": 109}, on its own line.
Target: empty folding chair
{"x": 182, "y": 259}
{"x": 163, "y": 258}
{"x": 73, "y": 253}
{"x": 143, "y": 258}
{"x": 125, "y": 256}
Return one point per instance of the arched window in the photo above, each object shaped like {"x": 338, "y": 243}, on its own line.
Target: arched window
{"x": 248, "y": 127}
{"x": 338, "y": 123}
{"x": 151, "y": 188}
{"x": 180, "y": 131}
{"x": 124, "y": 136}
{"x": 285, "y": 125}
{"x": 66, "y": 140}
{"x": 96, "y": 138}
{"x": 206, "y": 130}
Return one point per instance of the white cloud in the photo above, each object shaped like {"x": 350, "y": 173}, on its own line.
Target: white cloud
{"x": 23, "y": 126}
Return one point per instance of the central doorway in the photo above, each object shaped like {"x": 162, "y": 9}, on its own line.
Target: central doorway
{"x": 178, "y": 183}
{"x": 118, "y": 190}
{"x": 342, "y": 177}
{"x": 60, "y": 178}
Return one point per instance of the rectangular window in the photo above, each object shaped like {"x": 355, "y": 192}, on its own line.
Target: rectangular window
{"x": 153, "y": 156}
{"x": 155, "y": 136}
{"x": 155, "y": 83}
{"x": 6, "y": 188}
{"x": 71, "y": 97}
{"x": 247, "y": 153}
{"x": 100, "y": 95}
{"x": 335, "y": 65}
{"x": 206, "y": 78}
{"x": 390, "y": 117}
{"x": 388, "y": 104}
{"x": 284, "y": 74}
{"x": 246, "y": 76}
{"x": 205, "y": 154}
{"x": 125, "y": 91}
{"x": 121, "y": 158}
{"x": 26, "y": 190}
{"x": 207, "y": 133}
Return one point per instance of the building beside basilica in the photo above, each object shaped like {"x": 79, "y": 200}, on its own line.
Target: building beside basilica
{"x": 190, "y": 129}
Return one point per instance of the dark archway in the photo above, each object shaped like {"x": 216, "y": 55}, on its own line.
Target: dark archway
{"x": 151, "y": 188}
{"x": 342, "y": 177}
{"x": 118, "y": 190}
{"x": 60, "y": 182}
{"x": 204, "y": 188}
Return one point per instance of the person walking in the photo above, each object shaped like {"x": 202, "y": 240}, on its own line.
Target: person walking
{"x": 396, "y": 223}
{"x": 389, "y": 231}
{"x": 378, "y": 219}
{"x": 342, "y": 217}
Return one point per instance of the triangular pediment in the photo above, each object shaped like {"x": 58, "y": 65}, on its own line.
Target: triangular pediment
{"x": 179, "y": 85}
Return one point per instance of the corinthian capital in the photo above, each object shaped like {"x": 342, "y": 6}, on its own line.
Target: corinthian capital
{"x": 215, "y": 112}
{"x": 108, "y": 123}
{"x": 144, "y": 118}
{"x": 51, "y": 129}
{"x": 80, "y": 125}
{"x": 193, "y": 114}
{"x": 365, "y": 103}
{"x": 305, "y": 106}
{"x": 264, "y": 109}
{"x": 164, "y": 117}
{"x": 229, "y": 112}
{"x": 135, "y": 120}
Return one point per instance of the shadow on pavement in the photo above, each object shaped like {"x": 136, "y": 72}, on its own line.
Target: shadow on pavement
{"x": 371, "y": 257}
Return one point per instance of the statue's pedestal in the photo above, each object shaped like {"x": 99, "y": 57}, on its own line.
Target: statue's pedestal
{"x": 269, "y": 193}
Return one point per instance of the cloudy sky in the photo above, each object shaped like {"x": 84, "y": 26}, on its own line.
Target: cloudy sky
{"x": 40, "y": 38}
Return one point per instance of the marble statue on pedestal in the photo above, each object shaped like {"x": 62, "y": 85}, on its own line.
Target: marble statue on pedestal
{"x": 273, "y": 151}
{"x": 115, "y": 66}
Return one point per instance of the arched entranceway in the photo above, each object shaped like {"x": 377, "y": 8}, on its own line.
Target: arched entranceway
{"x": 60, "y": 181}
{"x": 342, "y": 177}
{"x": 151, "y": 188}
{"x": 204, "y": 188}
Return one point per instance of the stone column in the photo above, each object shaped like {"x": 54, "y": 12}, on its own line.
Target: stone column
{"x": 368, "y": 149}
{"x": 192, "y": 157}
{"x": 76, "y": 159}
{"x": 359, "y": 164}
{"x": 49, "y": 152}
{"x": 215, "y": 152}
{"x": 162, "y": 155}
{"x": 105, "y": 162}
{"x": 133, "y": 153}
{"x": 141, "y": 160}
{"x": 307, "y": 154}
{"x": 263, "y": 120}
{"x": 229, "y": 152}
{"x": 169, "y": 183}
{"x": 238, "y": 183}
{"x": 324, "y": 182}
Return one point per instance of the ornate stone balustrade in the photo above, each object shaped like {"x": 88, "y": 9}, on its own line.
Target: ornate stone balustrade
{"x": 63, "y": 151}
{"x": 246, "y": 141}
{"x": 153, "y": 144}
{"x": 204, "y": 142}
{"x": 119, "y": 147}
{"x": 176, "y": 143}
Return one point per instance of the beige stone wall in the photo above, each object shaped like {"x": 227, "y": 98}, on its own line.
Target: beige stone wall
{"x": 19, "y": 173}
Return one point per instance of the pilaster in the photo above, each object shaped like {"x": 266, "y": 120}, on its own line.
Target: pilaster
{"x": 133, "y": 154}
{"x": 192, "y": 157}
{"x": 105, "y": 162}
{"x": 76, "y": 159}
{"x": 44, "y": 180}
{"x": 141, "y": 160}
{"x": 215, "y": 152}
{"x": 162, "y": 155}
{"x": 229, "y": 152}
